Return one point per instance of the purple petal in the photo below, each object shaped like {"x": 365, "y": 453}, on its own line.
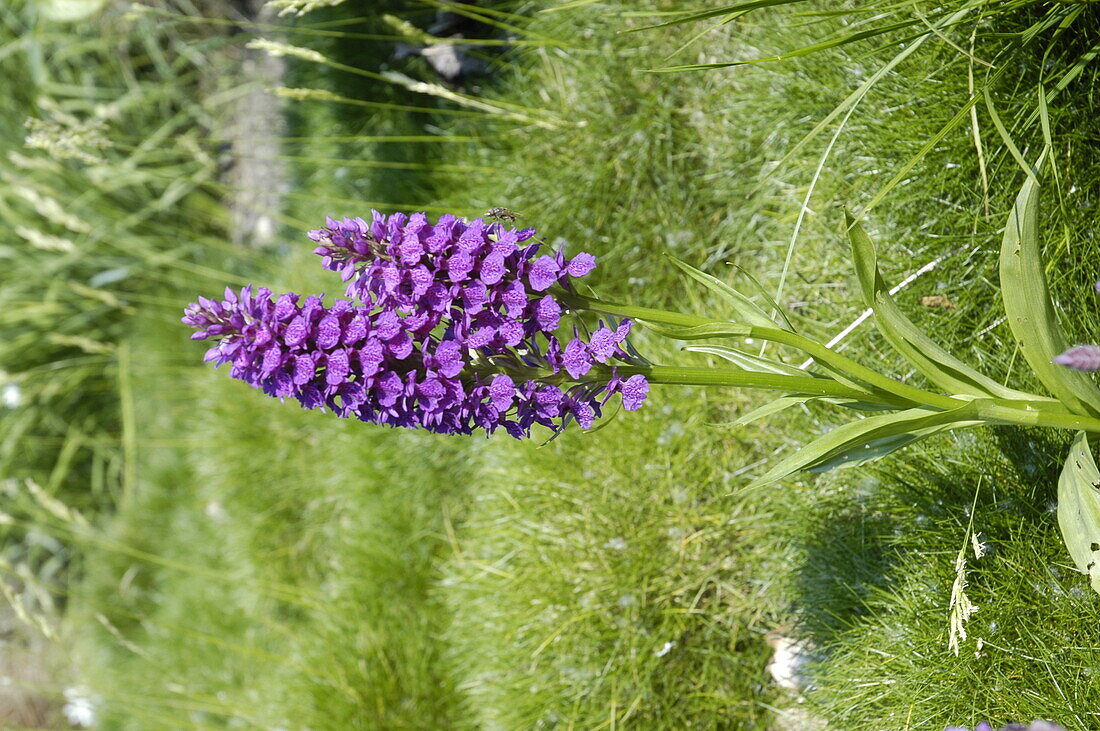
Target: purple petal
{"x": 602, "y": 344}
{"x": 474, "y": 296}
{"x": 1081, "y": 358}
{"x": 459, "y": 266}
{"x": 448, "y": 356}
{"x": 473, "y": 239}
{"x": 502, "y": 391}
{"x": 548, "y": 401}
{"x": 512, "y": 332}
{"x": 634, "y": 390}
{"x": 576, "y": 359}
{"x": 387, "y": 325}
{"x": 286, "y": 306}
{"x": 544, "y": 273}
{"x": 355, "y": 331}
{"x": 481, "y": 337}
{"x": 581, "y": 264}
{"x": 401, "y": 346}
{"x": 273, "y": 358}
{"x": 583, "y": 413}
{"x": 296, "y": 332}
{"x": 492, "y": 269}
{"x": 410, "y": 249}
{"x": 514, "y": 299}
{"x": 304, "y": 369}
{"x": 328, "y": 332}
{"x": 623, "y": 331}
{"x": 337, "y": 368}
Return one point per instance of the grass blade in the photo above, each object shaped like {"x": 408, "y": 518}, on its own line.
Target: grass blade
{"x": 736, "y": 9}
{"x": 804, "y": 51}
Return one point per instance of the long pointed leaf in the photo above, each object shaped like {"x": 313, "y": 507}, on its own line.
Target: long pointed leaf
{"x": 1030, "y": 311}
{"x": 1079, "y": 509}
{"x": 744, "y": 308}
{"x": 862, "y": 453}
{"x": 859, "y": 436}
{"x": 937, "y": 365}
{"x": 838, "y": 364}
{"x": 747, "y": 361}
{"x": 785, "y": 402}
{"x": 772, "y": 407}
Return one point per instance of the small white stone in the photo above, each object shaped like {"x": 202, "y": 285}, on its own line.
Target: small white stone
{"x": 215, "y": 512}
{"x": 79, "y": 709}
{"x": 788, "y": 662}
{"x": 11, "y": 396}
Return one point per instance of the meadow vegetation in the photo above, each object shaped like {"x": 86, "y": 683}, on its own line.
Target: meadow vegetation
{"x": 209, "y": 557}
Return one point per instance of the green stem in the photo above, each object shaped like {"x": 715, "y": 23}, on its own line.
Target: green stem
{"x": 1022, "y": 413}
{"x": 911, "y": 395}
{"x": 581, "y": 302}
{"x": 687, "y": 376}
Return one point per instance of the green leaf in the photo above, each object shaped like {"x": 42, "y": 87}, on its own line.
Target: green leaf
{"x": 870, "y": 438}
{"x": 937, "y": 365}
{"x": 700, "y": 332}
{"x": 843, "y": 369}
{"x": 1030, "y": 311}
{"x": 772, "y": 407}
{"x": 1079, "y": 509}
{"x": 744, "y": 309}
{"x": 861, "y": 453}
{"x": 747, "y": 361}
{"x": 785, "y": 402}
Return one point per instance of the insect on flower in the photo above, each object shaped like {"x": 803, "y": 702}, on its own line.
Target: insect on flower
{"x": 503, "y": 214}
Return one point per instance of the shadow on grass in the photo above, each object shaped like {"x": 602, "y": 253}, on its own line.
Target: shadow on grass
{"x": 879, "y": 564}
{"x": 858, "y": 533}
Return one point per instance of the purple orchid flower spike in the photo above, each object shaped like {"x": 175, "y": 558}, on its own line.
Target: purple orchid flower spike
{"x": 449, "y": 327}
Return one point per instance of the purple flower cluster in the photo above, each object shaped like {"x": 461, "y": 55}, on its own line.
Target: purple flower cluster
{"x": 449, "y": 328}
{"x": 481, "y": 278}
{"x": 1033, "y": 726}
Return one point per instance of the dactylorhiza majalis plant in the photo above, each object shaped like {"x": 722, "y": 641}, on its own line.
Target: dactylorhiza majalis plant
{"x": 463, "y": 326}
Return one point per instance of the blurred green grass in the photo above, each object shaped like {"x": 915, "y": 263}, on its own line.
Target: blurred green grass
{"x": 270, "y": 567}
